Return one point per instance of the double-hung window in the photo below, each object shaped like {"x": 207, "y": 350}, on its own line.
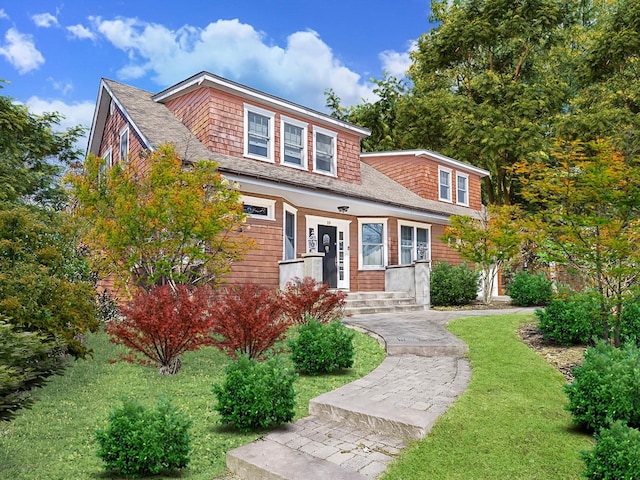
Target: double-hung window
{"x": 258, "y": 127}
{"x": 462, "y": 189}
{"x": 289, "y": 233}
{"x": 324, "y": 150}
{"x": 414, "y": 243}
{"x": 373, "y": 237}
{"x": 293, "y": 148}
{"x": 124, "y": 144}
{"x": 444, "y": 184}
{"x": 106, "y": 164}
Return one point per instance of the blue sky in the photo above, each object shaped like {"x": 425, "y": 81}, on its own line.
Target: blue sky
{"x": 54, "y": 53}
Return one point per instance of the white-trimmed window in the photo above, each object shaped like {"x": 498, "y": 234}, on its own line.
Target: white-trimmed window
{"x": 444, "y": 184}
{"x": 462, "y": 189}
{"x": 258, "y": 138}
{"x": 124, "y": 144}
{"x": 293, "y": 144}
{"x": 415, "y": 242}
{"x": 324, "y": 151}
{"x": 257, "y": 207}
{"x": 372, "y": 243}
{"x": 289, "y": 232}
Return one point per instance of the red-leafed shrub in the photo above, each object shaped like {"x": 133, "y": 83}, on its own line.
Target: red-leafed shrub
{"x": 160, "y": 325}
{"x": 247, "y": 319}
{"x": 305, "y": 299}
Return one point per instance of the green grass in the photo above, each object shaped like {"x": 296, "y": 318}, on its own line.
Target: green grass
{"x": 54, "y": 440}
{"x": 509, "y": 424}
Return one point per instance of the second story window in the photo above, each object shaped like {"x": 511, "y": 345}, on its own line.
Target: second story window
{"x": 444, "y": 184}
{"x": 258, "y": 124}
{"x": 324, "y": 146}
{"x": 293, "y": 150}
{"x": 124, "y": 144}
{"x": 462, "y": 189}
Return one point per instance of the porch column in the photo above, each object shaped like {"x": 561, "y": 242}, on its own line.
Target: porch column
{"x": 313, "y": 265}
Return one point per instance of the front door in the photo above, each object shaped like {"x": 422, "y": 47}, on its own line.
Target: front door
{"x": 327, "y": 243}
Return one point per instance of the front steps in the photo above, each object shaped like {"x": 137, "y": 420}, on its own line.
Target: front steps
{"x": 366, "y": 303}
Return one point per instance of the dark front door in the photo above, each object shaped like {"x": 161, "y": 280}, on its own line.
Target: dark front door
{"x": 327, "y": 244}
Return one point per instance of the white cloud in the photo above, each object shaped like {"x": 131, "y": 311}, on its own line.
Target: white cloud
{"x": 397, "y": 63}
{"x": 61, "y": 86}
{"x": 21, "y": 52}
{"x": 3, "y": 14}
{"x": 301, "y": 70}
{"x": 45, "y": 20}
{"x": 81, "y": 32}
{"x": 80, "y": 113}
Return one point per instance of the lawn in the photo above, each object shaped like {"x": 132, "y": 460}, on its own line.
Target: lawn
{"x": 54, "y": 440}
{"x": 511, "y": 421}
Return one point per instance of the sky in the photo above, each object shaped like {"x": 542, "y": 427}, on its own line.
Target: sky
{"x": 54, "y": 53}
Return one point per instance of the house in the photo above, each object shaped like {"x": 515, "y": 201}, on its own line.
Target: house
{"x": 317, "y": 205}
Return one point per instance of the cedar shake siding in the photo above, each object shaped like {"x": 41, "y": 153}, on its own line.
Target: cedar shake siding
{"x": 204, "y": 117}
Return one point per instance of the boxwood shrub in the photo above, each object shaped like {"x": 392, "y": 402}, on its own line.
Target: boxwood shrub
{"x": 139, "y": 441}
{"x": 453, "y": 285}
{"x": 322, "y": 347}
{"x": 528, "y": 289}
{"x": 570, "y": 320}
{"x": 256, "y": 395}
{"x": 616, "y": 454}
{"x": 606, "y": 387}
{"x": 630, "y": 321}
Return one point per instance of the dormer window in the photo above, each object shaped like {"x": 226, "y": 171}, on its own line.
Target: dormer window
{"x": 462, "y": 189}
{"x": 258, "y": 127}
{"x": 444, "y": 184}
{"x": 293, "y": 151}
{"x": 324, "y": 148}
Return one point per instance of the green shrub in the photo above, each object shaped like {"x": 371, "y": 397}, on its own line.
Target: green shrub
{"x": 616, "y": 454}
{"x": 630, "y": 321}
{"x": 139, "y": 441}
{"x": 255, "y": 394}
{"x": 606, "y": 387}
{"x": 453, "y": 285}
{"x": 571, "y": 320}
{"x": 528, "y": 289}
{"x": 322, "y": 347}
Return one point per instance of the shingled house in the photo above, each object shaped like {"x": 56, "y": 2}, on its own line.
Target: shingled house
{"x": 317, "y": 205}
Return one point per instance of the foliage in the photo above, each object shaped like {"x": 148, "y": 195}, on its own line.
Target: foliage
{"x": 489, "y": 241}
{"x": 616, "y": 454}
{"x": 630, "y": 321}
{"x": 530, "y": 289}
{"x": 322, "y": 348}
{"x": 27, "y": 360}
{"x": 606, "y": 387}
{"x": 107, "y": 308}
{"x": 256, "y": 395}
{"x": 160, "y": 325}
{"x": 158, "y": 221}
{"x": 571, "y": 319}
{"x": 247, "y": 319}
{"x": 307, "y": 298}
{"x": 453, "y": 285}
{"x": 140, "y": 441}
{"x": 587, "y": 204}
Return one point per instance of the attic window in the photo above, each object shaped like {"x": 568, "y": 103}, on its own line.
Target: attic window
{"x": 324, "y": 149}
{"x": 258, "y": 138}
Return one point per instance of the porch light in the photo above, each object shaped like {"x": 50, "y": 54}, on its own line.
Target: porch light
{"x": 343, "y": 208}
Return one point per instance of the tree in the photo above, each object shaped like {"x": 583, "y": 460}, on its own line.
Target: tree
{"x": 490, "y": 240}
{"x": 487, "y": 72}
{"x": 158, "y": 326}
{"x": 46, "y": 294}
{"x": 159, "y": 221}
{"x": 587, "y": 203}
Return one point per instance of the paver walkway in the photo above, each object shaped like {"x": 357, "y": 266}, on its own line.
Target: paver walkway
{"x": 353, "y": 432}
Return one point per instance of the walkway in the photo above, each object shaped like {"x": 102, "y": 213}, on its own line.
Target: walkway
{"x": 353, "y": 432}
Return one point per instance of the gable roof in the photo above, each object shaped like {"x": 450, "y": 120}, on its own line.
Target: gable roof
{"x": 155, "y": 124}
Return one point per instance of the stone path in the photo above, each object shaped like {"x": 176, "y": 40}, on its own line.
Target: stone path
{"x": 353, "y": 432}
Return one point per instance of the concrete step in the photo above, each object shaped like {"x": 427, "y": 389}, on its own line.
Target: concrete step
{"x": 367, "y": 303}
{"x": 315, "y": 449}
{"x": 370, "y": 310}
